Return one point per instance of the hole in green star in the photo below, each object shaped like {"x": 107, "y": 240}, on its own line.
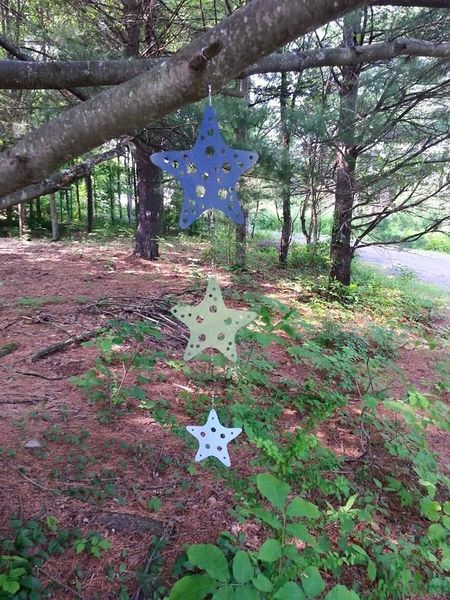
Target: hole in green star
{"x": 220, "y": 336}
{"x": 200, "y": 319}
{"x": 228, "y": 321}
{"x": 202, "y": 337}
{"x": 213, "y": 308}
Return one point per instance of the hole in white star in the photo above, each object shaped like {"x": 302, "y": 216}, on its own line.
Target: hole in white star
{"x": 222, "y": 435}
{"x": 207, "y": 446}
{"x": 202, "y": 433}
{"x": 219, "y": 448}
{"x": 213, "y": 429}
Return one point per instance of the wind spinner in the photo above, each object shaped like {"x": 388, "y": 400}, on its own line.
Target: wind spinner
{"x": 208, "y": 174}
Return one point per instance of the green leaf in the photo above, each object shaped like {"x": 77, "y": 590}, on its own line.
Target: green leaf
{"x": 340, "y": 592}
{"x": 227, "y": 592}
{"x": 270, "y": 551}
{"x": 262, "y": 584}
{"x": 302, "y": 508}
{"x": 242, "y": 567}
{"x": 312, "y": 582}
{"x": 273, "y": 489}
{"x": 211, "y": 559}
{"x": 447, "y": 507}
{"x": 371, "y": 570}
{"x": 436, "y": 532}
{"x": 247, "y": 592}
{"x": 430, "y": 508}
{"x": 300, "y": 531}
{"x": 9, "y": 586}
{"x": 290, "y": 591}
{"x": 191, "y": 587}
{"x": 266, "y": 516}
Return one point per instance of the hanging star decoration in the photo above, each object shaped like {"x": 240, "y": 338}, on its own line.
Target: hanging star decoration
{"x": 211, "y": 324}
{"x": 213, "y": 439}
{"x": 208, "y": 173}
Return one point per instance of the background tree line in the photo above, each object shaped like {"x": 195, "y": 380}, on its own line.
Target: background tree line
{"x": 351, "y": 122}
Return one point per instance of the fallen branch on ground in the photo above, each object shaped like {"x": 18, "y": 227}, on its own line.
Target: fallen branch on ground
{"x": 76, "y": 339}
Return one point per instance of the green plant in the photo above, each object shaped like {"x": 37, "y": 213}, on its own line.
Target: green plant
{"x": 93, "y": 544}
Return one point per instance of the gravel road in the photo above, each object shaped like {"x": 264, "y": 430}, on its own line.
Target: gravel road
{"x": 432, "y": 267}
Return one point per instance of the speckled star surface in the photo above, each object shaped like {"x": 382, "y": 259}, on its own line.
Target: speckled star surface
{"x": 213, "y": 439}
{"x": 208, "y": 172}
{"x": 211, "y": 324}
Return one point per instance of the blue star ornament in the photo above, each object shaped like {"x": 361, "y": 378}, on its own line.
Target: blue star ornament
{"x": 208, "y": 173}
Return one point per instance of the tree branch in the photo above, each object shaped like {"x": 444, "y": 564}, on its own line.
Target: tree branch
{"x": 59, "y": 180}
{"x": 258, "y": 28}
{"x": 14, "y": 50}
{"x": 413, "y": 3}
{"x": 64, "y": 75}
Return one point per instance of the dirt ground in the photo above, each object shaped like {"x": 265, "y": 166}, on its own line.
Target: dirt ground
{"x": 50, "y": 293}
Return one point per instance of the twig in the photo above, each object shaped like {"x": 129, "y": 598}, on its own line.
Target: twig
{"x": 61, "y": 584}
{"x": 33, "y": 374}
{"x": 8, "y": 349}
{"x": 77, "y": 339}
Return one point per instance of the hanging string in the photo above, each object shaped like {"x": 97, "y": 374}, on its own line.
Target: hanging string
{"x": 212, "y": 229}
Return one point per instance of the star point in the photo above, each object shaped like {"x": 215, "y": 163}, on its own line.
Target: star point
{"x": 208, "y": 172}
{"x": 212, "y": 324}
{"x": 213, "y": 438}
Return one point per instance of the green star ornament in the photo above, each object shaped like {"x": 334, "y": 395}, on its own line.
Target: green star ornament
{"x": 211, "y": 324}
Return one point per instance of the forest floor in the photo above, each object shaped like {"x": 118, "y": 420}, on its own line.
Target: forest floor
{"x": 123, "y": 469}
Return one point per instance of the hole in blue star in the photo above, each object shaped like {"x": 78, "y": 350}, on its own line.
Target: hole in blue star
{"x": 210, "y": 131}
{"x": 175, "y": 164}
{"x": 200, "y": 191}
{"x": 191, "y": 168}
{"x": 223, "y": 193}
{"x": 226, "y": 167}
{"x": 210, "y": 151}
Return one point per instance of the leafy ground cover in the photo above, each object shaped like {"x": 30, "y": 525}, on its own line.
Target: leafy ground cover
{"x": 339, "y": 484}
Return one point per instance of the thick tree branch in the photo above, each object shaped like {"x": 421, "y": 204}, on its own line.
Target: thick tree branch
{"x": 64, "y": 75}
{"x": 59, "y": 180}
{"x": 14, "y": 50}
{"x": 413, "y": 3}
{"x": 258, "y": 28}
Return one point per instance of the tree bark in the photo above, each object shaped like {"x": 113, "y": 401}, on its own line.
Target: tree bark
{"x": 151, "y": 206}
{"x": 54, "y": 218}
{"x": 286, "y": 230}
{"x": 341, "y": 251}
{"x": 213, "y": 59}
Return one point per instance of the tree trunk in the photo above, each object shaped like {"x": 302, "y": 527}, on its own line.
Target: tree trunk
{"x": 38, "y": 210}
{"x": 89, "y": 204}
{"x": 54, "y": 218}
{"x": 22, "y": 220}
{"x": 77, "y": 195}
{"x": 286, "y": 230}
{"x": 119, "y": 188}
{"x": 151, "y": 206}
{"x": 341, "y": 248}
{"x": 241, "y": 242}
